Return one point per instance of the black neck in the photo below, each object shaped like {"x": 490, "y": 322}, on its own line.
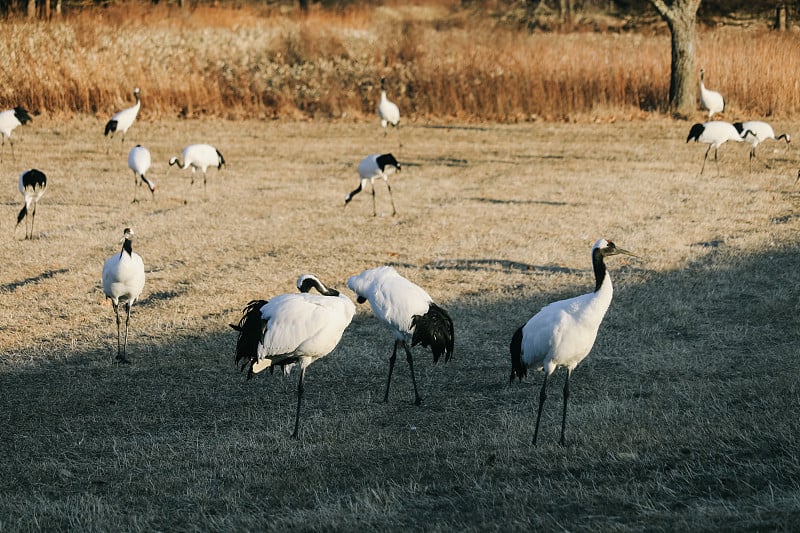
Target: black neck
{"x": 127, "y": 246}
{"x": 599, "y": 268}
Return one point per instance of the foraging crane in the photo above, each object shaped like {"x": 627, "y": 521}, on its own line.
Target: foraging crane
{"x": 761, "y": 132}
{"x": 123, "y": 281}
{"x": 121, "y": 121}
{"x": 409, "y": 312}
{"x": 710, "y": 100}
{"x": 563, "y": 332}
{"x": 387, "y": 111}
{"x": 371, "y": 168}
{"x": 9, "y": 120}
{"x": 139, "y": 161}
{"x": 715, "y": 134}
{"x": 199, "y": 156}
{"x": 32, "y": 185}
{"x": 292, "y": 328}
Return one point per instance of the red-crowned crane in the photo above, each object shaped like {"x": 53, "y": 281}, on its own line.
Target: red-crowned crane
{"x": 409, "y": 312}
{"x": 715, "y": 134}
{"x": 121, "y": 121}
{"x": 761, "y": 132}
{"x": 32, "y": 185}
{"x": 388, "y": 111}
{"x": 9, "y": 120}
{"x": 139, "y": 161}
{"x": 123, "y": 282}
{"x": 199, "y": 156}
{"x": 292, "y": 328}
{"x": 371, "y": 168}
{"x": 563, "y": 332}
{"x": 711, "y": 101}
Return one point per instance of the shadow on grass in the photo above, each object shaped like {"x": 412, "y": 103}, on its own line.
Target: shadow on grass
{"x": 14, "y": 285}
{"x": 689, "y": 399}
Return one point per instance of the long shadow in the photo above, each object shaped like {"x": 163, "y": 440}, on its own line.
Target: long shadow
{"x": 693, "y": 369}
{"x": 14, "y": 285}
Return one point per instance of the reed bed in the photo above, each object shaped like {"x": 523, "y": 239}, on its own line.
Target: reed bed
{"x": 442, "y": 62}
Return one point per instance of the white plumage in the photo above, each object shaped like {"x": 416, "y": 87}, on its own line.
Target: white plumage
{"x": 761, "y": 131}
{"x": 32, "y": 185}
{"x": 121, "y": 121}
{"x": 292, "y": 328}
{"x": 387, "y": 110}
{"x": 710, "y": 100}
{"x": 562, "y": 333}
{"x": 410, "y": 314}
{"x": 123, "y": 282}
{"x": 199, "y": 156}
{"x": 715, "y": 134}
{"x": 371, "y": 168}
{"x": 9, "y": 120}
{"x": 139, "y": 161}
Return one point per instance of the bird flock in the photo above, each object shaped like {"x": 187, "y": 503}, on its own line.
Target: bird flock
{"x": 296, "y": 329}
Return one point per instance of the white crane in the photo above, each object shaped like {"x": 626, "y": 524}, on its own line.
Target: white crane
{"x": 292, "y": 328}
{"x": 409, "y": 312}
{"x": 710, "y": 100}
{"x": 199, "y": 156}
{"x": 761, "y": 132}
{"x": 387, "y": 110}
{"x": 32, "y": 185}
{"x": 9, "y": 120}
{"x": 563, "y": 332}
{"x": 121, "y": 121}
{"x": 123, "y": 281}
{"x": 139, "y": 161}
{"x": 715, "y": 134}
{"x": 371, "y": 168}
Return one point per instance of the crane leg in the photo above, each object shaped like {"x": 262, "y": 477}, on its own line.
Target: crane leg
{"x": 417, "y": 399}
{"x": 33, "y": 217}
{"x": 542, "y": 398}
{"x": 122, "y": 357}
{"x": 394, "y": 211}
{"x": 704, "y": 160}
{"x": 564, "y": 413}
{"x": 374, "y": 211}
{"x": 299, "y": 402}
{"x": 119, "y": 346}
{"x": 391, "y": 367}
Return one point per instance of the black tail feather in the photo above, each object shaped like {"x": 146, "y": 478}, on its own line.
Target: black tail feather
{"x": 251, "y": 330}
{"x": 22, "y": 213}
{"x": 221, "y": 160}
{"x": 434, "y": 329}
{"x": 518, "y": 368}
{"x": 111, "y": 127}
{"x": 22, "y": 115}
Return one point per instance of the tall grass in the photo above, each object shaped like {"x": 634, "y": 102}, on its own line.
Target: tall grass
{"x": 442, "y": 62}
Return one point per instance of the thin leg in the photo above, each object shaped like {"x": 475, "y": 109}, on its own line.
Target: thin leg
{"x": 11, "y": 144}
{"x": 299, "y": 401}
{"x": 391, "y": 367}
{"x": 374, "y": 211}
{"x": 417, "y": 399}
{"x": 716, "y": 159}
{"x": 119, "y": 346}
{"x": 704, "y": 160}
{"x": 542, "y": 398}
{"x": 564, "y": 414}
{"x": 124, "y": 359}
{"x": 33, "y": 217}
{"x": 135, "y": 183}
{"x": 394, "y": 211}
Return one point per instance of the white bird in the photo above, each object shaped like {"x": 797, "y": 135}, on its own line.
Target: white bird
{"x": 761, "y": 132}
{"x": 410, "y": 314}
{"x": 123, "y": 281}
{"x": 121, "y": 121}
{"x": 199, "y": 156}
{"x": 32, "y": 185}
{"x": 387, "y": 111}
{"x": 371, "y": 168}
{"x": 139, "y": 161}
{"x": 9, "y": 120}
{"x": 715, "y": 134}
{"x": 563, "y": 332}
{"x": 710, "y": 100}
{"x": 292, "y": 328}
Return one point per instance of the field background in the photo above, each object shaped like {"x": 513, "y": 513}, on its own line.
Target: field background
{"x": 683, "y": 417}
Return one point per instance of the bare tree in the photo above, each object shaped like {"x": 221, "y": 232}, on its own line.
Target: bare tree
{"x": 681, "y": 17}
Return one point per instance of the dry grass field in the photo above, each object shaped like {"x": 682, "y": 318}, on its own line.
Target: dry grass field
{"x": 684, "y": 416}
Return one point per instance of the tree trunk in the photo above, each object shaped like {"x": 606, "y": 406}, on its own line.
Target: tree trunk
{"x": 681, "y": 16}
{"x": 31, "y": 11}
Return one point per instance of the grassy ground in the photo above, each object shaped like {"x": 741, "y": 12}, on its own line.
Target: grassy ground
{"x": 683, "y": 417}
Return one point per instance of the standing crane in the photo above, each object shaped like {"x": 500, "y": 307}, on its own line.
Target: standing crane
{"x": 139, "y": 161}
{"x": 371, "y": 168}
{"x": 409, "y": 312}
{"x": 292, "y": 328}
{"x": 121, "y": 121}
{"x": 199, "y": 156}
{"x": 32, "y": 185}
{"x": 715, "y": 134}
{"x": 9, "y": 120}
{"x": 712, "y": 101}
{"x": 562, "y": 333}
{"x": 761, "y": 131}
{"x": 388, "y": 111}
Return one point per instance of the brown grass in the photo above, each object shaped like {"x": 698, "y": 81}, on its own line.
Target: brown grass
{"x": 442, "y": 62}
{"x": 683, "y": 417}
